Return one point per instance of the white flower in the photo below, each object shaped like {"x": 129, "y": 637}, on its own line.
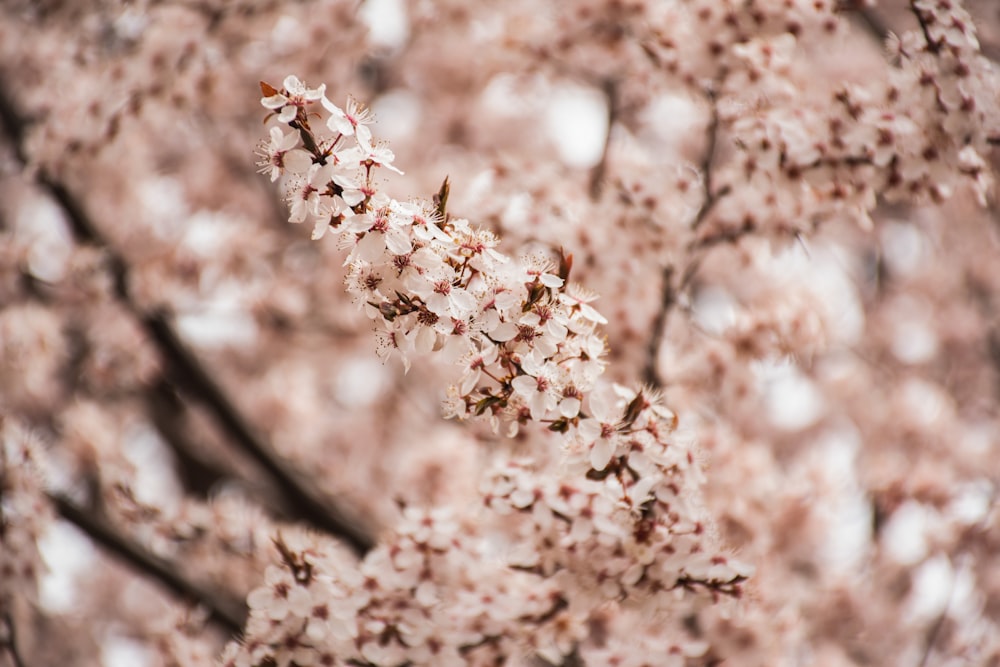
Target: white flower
{"x": 473, "y": 364}
{"x": 526, "y": 337}
{"x": 381, "y": 233}
{"x": 538, "y": 388}
{"x": 578, "y": 299}
{"x": 303, "y": 196}
{"x": 329, "y": 208}
{"x": 600, "y": 432}
{"x": 281, "y": 155}
{"x": 350, "y": 122}
{"x": 293, "y": 96}
{"x": 441, "y": 296}
{"x": 376, "y": 155}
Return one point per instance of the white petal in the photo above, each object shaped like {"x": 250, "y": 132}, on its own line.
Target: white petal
{"x": 297, "y": 161}
{"x": 364, "y": 133}
{"x": 398, "y": 242}
{"x": 425, "y": 340}
{"x": 340, "y": 124}
{"x": 546, "y": 346}
{"x": 524, "y": 385}
{"x": 463, "y": 300}
{"x": 600, "y": 453}
{"x": 505, "y": 332}
{"x": 550, "y": 280}
{"x": 469, "y": 383}
{"x": 320, "y": 229}
{"x": 539, "y": 405}
{"x": 371, "y": 247}
{"x": 569, "y": 407}
{"x": 589, "y": 430}
{"x": 274, "y": 101}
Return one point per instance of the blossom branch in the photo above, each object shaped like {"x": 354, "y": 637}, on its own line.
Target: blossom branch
{"x": 224, "y": 610}
{"x": 9, "y": 641}
{"x": 598, "y": 173}
{"x": 668, "y": 297}
{"x": 668, "y": 291}
{"x": 531, "y": 352}
{"x": 199, "y": 471}
{"x": 872, "y": 23}
{"x": 183, "y": 367}
{"x": 708, "y": 160}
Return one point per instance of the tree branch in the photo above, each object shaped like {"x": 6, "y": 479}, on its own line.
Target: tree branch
{"x": 707, "y": 162}
{"x": 597, "y": 174}
{"x": 182, "y": 366}
{"x": 224, "y": 610}
{"x": 668, "y": 297}
{"x": 10, "y": 642}
{"x": 872, "y": 23}
{"x": 668, "y": 291}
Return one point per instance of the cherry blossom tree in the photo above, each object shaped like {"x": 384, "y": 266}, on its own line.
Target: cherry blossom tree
{"x": 610, "y": 332}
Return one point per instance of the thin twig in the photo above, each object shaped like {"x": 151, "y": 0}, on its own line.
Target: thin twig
{"x": 226, "y": 611}
{"x": 934, "y": 631}
{"x": 668, "y": 297}
{"x": 668, "y": 291}
{"x": 707, "y": 162}
{"x": 934, "y": 46}
{"x": 598, "y": 173}
{"x": 10, "y": 643}
{"x": 869, "y": 20}
{"x": 182, "y": 366}
{"x": 199, "y": 471}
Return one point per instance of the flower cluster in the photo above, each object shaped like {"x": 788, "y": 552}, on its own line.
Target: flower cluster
{"x": 428, "y": 596}
{"x": 24, "y": 514}
{"x": 527, "y": 341}
{"x": 914, "y": 135}
{"x": 615, "y": 522}
{"x": 626, "y": 533}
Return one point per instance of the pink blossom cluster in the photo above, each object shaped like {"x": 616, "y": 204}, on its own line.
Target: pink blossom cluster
{"x": 24, "y": 514}
{"x": 527, "y": 341}
{"x": 616, "y": 520}
{"x": 776, "y": 199}
{"x": 807, "y": 154}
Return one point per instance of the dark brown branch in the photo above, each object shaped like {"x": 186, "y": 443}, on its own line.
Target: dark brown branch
{"x": 599, "y": 172}
{"x": 182, "y": 366}
{"x": 934, "y": 46}
{"x": 668, "y": 297}
{"x": 707, "y": 162}
{"x": 869, "y": 20}
{"x": 668, "y": 291}
{"x": 309, "y": 501}
{"x": 199, "y": 472}
{"x": 226, "y": 611}
{"x": 10, "y": 643}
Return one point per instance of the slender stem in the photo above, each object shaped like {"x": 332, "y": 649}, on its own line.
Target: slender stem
{"x": 182, "y": 366}
{"x": 224, "y": 610}
{"x": 934, "y": 46}
{"x": 869, "y": 20}
{"x": 10, "y": 643}
{"x": 668, "y": 296}
{"x": 597, "y": 174}
{"x": 707, "y": 162}
{"x": 668, "y": 291}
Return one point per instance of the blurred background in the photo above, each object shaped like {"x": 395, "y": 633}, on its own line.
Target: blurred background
{"x": 182, "y": 375}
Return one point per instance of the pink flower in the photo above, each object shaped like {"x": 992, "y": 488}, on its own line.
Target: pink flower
{"x": 280, "y": 155}
{"x": 293, "y": 96}
{"x": 350, "y": 122}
